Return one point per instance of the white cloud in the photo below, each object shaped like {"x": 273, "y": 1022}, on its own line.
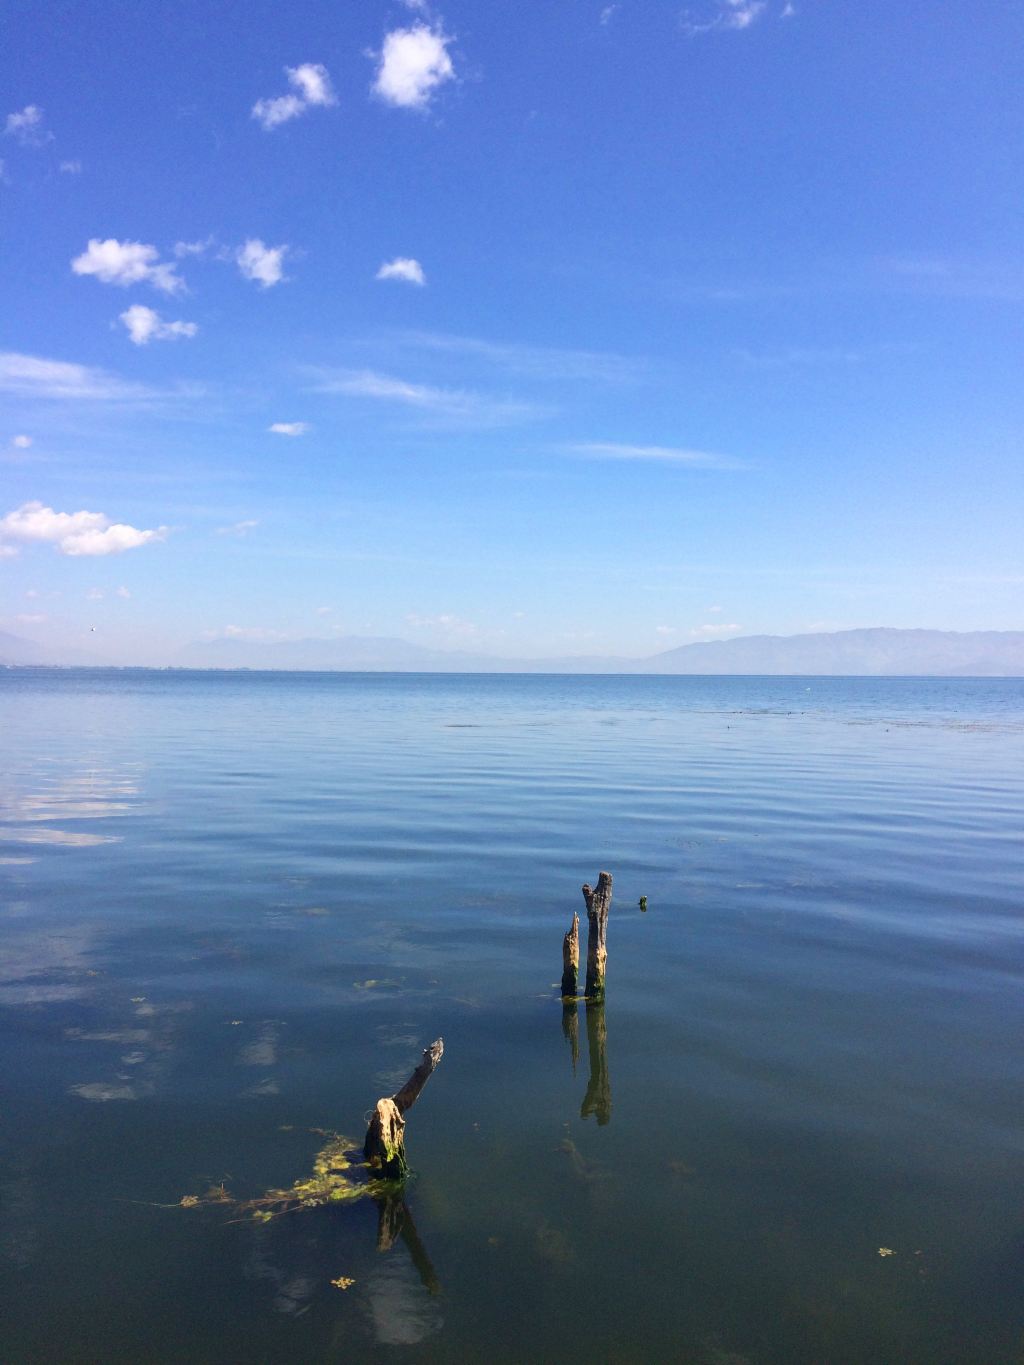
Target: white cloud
{"x": 145, "y": 325}
{"x": 314, "y": 88}
{"x": 94, "y": 595}
{"x": 21, "y": 442}
{"x": 238, "y": 528}
{"x": 413, "y": 63}
{"x": 272, "y": 113}
{"x": 27, "y": 127}
{"x": 289, "y": 428}
{"x": 126, "y": 263}
{"x": 696, "y": 459}
{"x": 314, "y": 82}
{"x": 36, "y": 377}
{"x": 711, "y": 631}
{"x": 324, "y": 611}
{"x": 666, "y": 630}
{"x": 402, "y": 268}
{"x": 723, "y": 14}
{"x": 30, "y": 618}
{"x": 70, "y": 167}
{"x": 264, "y": 264}
{"x": 123, "y": 592}
{"x": 459, "y": 405}
{"x": 73, "y": 533}
{"x": 608, "y": 12}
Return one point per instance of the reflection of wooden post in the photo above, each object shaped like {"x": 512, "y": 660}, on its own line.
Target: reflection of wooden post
{"x": 598, "y": 904}
{"x": 571, "y": 957}
{"x": 598, "y": 1099}
{"x": 384, "y": 1147}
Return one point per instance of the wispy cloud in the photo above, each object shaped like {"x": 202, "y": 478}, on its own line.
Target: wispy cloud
{"x": 999, "y": 278}
{"x": 311, "y": 87}
{"x": 73, "y": 533}
{"x": 34, "y": 376}
{"x": 127, "y": 263}
{"x": 459, "y": 405}
{"x": 262, "y": 264}
{"x": 402, "y": 268}
{"x": 694, "y": 459}
{"x": 722, "y": 14}
{"x": 21, "y": 442}
{"x": 197, "y": 248}
{"x": 713, "y": 631}
{"x": 70, "y": 168}
{"x": 800, "y": 355}
{"x": 446, "y": 624}
{"x": 413, "y": 64}
{"x": 238, "y": 528}
{"x": 145, "y": 325}
{"x": 26, "y": 126}
{"x": 607, "y": 14}
{"x": 539, "y": 362}
{"x": 289, "y": 428}
{"x": 262, "y": 634}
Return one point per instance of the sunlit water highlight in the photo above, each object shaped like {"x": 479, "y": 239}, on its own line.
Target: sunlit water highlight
{"x": 236, "y": 907}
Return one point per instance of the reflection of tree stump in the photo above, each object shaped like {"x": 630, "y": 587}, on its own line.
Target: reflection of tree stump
{"x": 598, "y": 1099}
{"x": 571, "y": 957}
{"x": 395, "y": 1220}
{"x": 571, "y": 1030}
{"x": 384, "y": 1147}
{"x": 598, "y": 904}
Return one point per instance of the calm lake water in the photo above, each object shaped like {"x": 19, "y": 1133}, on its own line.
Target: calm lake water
{"x": 235, "y": 907}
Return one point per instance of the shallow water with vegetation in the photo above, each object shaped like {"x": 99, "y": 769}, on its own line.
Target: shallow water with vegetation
{"x": 236, "y": 907}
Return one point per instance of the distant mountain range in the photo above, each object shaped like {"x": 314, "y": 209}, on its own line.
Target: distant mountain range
{"x": 879, "y": 651}
{"x": 14, "y": 650}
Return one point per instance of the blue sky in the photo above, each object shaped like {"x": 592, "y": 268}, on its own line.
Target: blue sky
{"x": 585, "y": 328}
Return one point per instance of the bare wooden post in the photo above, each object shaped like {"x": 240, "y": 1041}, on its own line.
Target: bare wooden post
{"x": 598, "y": 904}
{"x": 571, "y": 958}
{"x": 384, "y": 1147}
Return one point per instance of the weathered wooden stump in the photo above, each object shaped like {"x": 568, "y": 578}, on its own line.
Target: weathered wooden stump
{"x": 598, "y": 904}
{"x": 571, "y": 958}
{"x": 384, "y": 1147}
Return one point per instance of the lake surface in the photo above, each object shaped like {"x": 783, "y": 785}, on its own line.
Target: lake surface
{"x": 236, "y": 907}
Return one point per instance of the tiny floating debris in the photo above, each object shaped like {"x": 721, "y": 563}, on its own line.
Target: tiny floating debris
{"x": 886, "y": 1251}
{"x": 643, "y": 905}
{"x": 343, "y": 1282}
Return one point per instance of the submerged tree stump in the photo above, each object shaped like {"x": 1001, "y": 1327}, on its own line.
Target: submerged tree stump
{"x": 598, "y": 904}
{"x": 571, "y": 958}
{"x": 384, "y": 1147}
